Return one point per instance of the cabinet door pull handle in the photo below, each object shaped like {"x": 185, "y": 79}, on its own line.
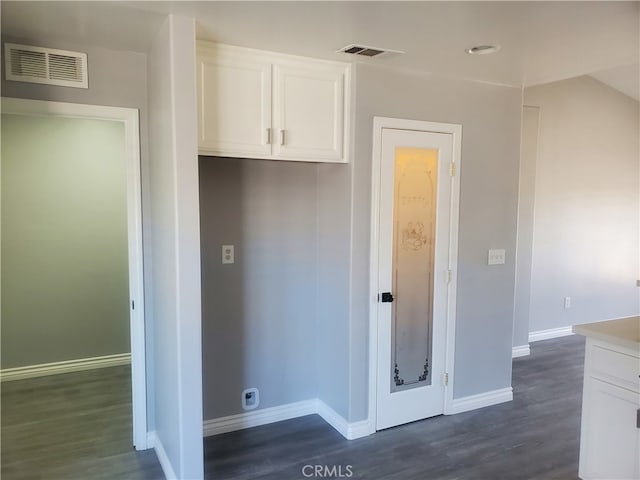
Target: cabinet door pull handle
{"x": 268, "y": 136}
{"x": 282, "y": 137}
{"x": 638, "y": 418}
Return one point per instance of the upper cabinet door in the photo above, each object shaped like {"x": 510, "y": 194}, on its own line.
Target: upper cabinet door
{"x": 309, "y": 111}
{"x": 234, "y": 104}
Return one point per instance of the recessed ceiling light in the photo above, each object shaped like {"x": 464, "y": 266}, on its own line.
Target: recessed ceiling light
{"x": 483, "y": 49}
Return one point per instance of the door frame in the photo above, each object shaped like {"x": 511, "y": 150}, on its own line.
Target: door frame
{"x": 380, "y": 123}
{"x": 129, "y": 117}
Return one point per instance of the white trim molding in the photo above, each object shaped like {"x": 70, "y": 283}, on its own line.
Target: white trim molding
{"x": 350, "y": 431}
{"x": 521, "y": 351}
{"x": 550, "y": 333}
{"x": 333, "y": 418}
{"x": 258, "y": 417}
{"x": 56, "y": 368}
{"x": 264, "y": 416}
{"x": 153, "y": 441}
{"x": 481, "y": 400}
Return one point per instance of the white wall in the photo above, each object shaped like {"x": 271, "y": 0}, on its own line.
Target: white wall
{"x": 585, "y": 236}
{"x": 175, "y": 240}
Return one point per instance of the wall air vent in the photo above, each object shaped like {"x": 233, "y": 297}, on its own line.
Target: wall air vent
{"x": 24, "y": 63}
{"x": 366, "y": 51}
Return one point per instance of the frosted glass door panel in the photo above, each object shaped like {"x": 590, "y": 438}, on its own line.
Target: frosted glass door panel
{"x": 414, "y": 227}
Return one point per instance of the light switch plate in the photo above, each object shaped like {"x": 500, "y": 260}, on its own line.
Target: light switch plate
{"x": 496, "y": 257}
{"x": 227, "y": 254}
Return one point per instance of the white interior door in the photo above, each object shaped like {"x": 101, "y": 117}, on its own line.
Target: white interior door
{"x": 413, "y": 274}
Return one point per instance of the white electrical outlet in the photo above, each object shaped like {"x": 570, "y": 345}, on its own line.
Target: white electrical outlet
{"x": 227, "y": 254}
{"x": 496, "y": 257}
{"x": 250, "y": 398}
{"x": 567, "y": 302}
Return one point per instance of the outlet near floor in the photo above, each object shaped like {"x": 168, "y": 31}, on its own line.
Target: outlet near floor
{"x": 250, "y": 398}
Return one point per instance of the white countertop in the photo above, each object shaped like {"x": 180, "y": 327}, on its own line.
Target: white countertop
{"x": 623, "y": 331}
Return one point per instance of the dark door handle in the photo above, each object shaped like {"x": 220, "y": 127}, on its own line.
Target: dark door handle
{"x": 638, "y": 418}
{"x": 386, "y": 297}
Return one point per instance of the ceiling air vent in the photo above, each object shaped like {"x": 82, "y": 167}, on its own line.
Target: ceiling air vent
{"x": 24, "y": 63}
{"x": 366, "y": 51}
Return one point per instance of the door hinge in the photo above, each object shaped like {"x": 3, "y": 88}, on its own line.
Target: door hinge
{"x": 452, "y": 169}
{"x": 445, "y": 379}
{"x": 449, "y": 276}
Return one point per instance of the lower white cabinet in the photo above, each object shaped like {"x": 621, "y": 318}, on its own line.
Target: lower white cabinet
{"x": 610, "y": 437}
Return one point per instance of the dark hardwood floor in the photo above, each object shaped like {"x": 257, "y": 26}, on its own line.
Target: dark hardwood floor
{"x": 72, "y": 426}
{"x": 78, "y": 426}
{"x": 534, "y": 437}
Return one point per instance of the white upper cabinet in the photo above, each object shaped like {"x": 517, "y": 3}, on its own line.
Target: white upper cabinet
{"x": 254, "y": 104}
{"x": 234, "y": 103}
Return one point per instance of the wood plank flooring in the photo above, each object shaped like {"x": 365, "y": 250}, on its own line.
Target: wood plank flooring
{"x": 72, "y": 426}
{"x": 78, "y": 426}
{"x": 534, "y": 437}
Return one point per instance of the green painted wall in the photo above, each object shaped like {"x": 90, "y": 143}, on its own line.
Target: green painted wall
{"x": 64, "y": 260}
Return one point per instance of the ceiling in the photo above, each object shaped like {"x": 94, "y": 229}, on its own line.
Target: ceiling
{"x": 541, "y": 41}
{"x": 625, "y": 78}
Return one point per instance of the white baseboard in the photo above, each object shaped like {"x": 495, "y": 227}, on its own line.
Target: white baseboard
{"x": 481, "y": 400}
{"x": 332, "y": 417}
{"x": 255, "y": 418}
{"x": 520, "y": 351}
{"x": 360, "y": 429}
{"x": 350, "y": 431}
{"x": 68, "y": 366}
{"x": 550, "y": 333}
{"x": 153, "y": 441}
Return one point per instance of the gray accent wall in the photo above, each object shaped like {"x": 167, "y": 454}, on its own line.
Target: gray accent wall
{"x": 65, "y": 271}
{"x": 528, "y": 157}
{"x": 587, "y": 205}
{"x": 490, "y": 117}
{"x": 116, "y": 79}
{"x": 334, "y": 290}
{"x": 278, "y": 318}
{"x": 259, "y": 313}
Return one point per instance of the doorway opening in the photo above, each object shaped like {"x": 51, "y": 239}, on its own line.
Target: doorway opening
{"x": 72, "y": 252}
{"x": 414, "y": 238}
